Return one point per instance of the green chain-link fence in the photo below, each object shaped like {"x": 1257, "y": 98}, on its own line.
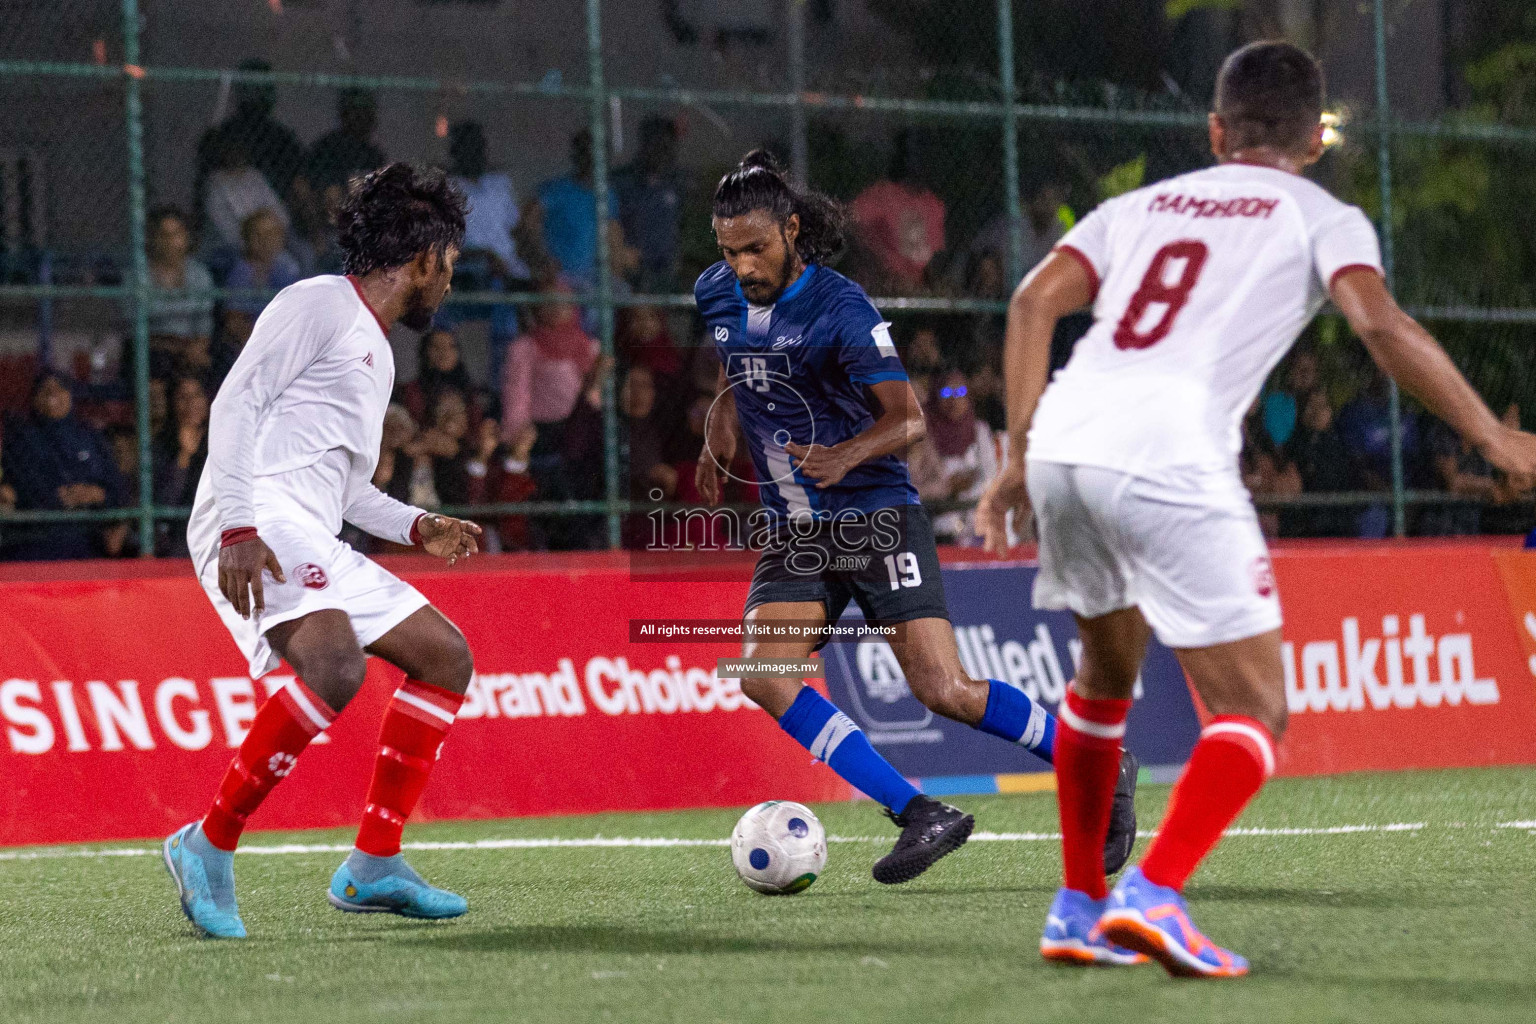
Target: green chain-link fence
{"x": 107, "y": 116}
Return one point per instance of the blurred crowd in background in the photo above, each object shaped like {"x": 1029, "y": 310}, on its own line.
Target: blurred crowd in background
{"x": 527, "y": 425}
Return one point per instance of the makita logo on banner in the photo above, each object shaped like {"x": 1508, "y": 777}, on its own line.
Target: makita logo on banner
{"x": 1395, "y": 669}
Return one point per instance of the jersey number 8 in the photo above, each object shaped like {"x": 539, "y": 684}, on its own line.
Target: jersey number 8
{"x": 1155, "y": 288}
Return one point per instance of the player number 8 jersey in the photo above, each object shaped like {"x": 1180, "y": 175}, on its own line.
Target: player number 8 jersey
{"x": 1202, "y": 282}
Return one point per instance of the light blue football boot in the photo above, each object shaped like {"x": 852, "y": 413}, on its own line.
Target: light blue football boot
{"x": 1072, "y": 934}
{"x": 205, "y": 882}
{"x": 366, "y": 884}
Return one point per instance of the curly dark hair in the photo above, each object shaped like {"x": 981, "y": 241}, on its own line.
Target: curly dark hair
{"x": 394, "y": 214}
{"x": 758, "y": 183}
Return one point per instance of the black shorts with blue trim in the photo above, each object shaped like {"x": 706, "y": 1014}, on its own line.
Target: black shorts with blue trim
{"x": 886, "y": 561}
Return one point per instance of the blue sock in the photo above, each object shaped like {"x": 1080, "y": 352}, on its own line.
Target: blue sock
{"x": 1013, "y": 716}
{"x": 831, "y": 736}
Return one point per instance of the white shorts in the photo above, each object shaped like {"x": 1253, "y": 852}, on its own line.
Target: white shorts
{"x": 322, "y": 573}
{"x": 1192, "y": 558}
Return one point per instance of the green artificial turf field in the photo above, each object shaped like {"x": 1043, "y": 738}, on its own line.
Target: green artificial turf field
{"x": 1433, "y": 922}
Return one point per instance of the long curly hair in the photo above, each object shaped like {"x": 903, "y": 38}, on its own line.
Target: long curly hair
{"x": 758, "y": 183}
{"x": 394, "y": 214}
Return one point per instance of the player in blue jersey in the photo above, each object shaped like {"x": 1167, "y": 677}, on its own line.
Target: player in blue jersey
{"x": 811, "y": 383}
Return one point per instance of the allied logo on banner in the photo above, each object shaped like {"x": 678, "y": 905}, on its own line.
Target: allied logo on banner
{"x": 997, "y": 636}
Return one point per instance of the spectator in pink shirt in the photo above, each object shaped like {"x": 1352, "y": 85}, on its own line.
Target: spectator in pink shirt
{"x": 900, "y": 223}
{"x": 547, "y": 370}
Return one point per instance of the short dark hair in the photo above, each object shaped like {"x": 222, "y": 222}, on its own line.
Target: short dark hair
{"x": 1270, "y": 93}
{"x": 758, "y": 183}
{"x": 394, "y": 214}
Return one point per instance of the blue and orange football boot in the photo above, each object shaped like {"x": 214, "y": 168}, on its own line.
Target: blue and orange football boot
{"x": 1072, "y": 934}
{"x": 1154, "y": 920}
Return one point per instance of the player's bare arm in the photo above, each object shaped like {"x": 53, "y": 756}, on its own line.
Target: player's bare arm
{"x": 1056, "y": 287}
{"x": 240, "y": 569}
{"x": 1409, "y": 354}
{"x": 720, "y": 434}
{"x": 899, "y": 426}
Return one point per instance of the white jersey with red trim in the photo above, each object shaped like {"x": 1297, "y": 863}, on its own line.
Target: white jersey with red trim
{"x": 1202, "y": 282}
{"x": 298, "y": 422}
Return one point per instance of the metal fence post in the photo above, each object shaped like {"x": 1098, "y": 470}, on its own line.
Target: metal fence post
{"x": 136, "y": 231}
{"x": 1384, "y": 179}
{"x": 1010, "y": 142}
{"x": 799, "y": 145}
{"x": 599, "y": 127}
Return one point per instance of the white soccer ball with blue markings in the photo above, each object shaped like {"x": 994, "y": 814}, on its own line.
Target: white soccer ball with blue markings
{"x": 779, "y": 847}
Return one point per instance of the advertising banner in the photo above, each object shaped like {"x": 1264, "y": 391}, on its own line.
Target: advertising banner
{"x": 122, "y": 700}
{"x": 122, "y": 697}
{"x": 1000, "y": 636}
{"x": 1517, "y": 570}
{"x": 1404, "y": 656}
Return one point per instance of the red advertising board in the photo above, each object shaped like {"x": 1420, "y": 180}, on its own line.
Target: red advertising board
{"x": 1517, "y": 570}
{"x": 1402, "y": 656}
{"x": 122, "y": 697}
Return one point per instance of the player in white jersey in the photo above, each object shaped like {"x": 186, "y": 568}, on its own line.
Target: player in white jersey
{"x": 1129, "y": 458}
{"x": 293, "y": 442}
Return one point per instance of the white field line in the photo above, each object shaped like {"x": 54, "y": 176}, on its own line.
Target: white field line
{"x": 653, "y": 842}
{"x": 1517, "y": 824}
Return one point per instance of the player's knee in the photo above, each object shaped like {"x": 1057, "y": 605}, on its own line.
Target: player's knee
{"x": 947, "y": 695}
{"x": 1262, "y": 700}
{"x": 335, "y": 673}
{"x": 1277, "y": 717}
{"x": 456, "y": 663}
{"x": 1104, "y": 678}
{"x": 773, "y": 694}
{"x": 759, "y": 691}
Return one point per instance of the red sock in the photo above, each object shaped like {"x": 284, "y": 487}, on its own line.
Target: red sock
{"x": 415, "y": 725}
{"x": 286, "y": 723}
{"x": 1088, "y": 734}
{"x": 1229, "y": 765}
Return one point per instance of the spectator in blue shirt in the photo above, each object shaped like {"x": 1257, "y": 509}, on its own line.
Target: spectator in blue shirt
{"x": 1366, "y": 429}
{"x": 54, "y": 461}
{"x": 264, "y": 262}
{"x": 650, "y": 195}
{"x": 569, "y": 208}
{"x": 488, "y": 260}
{"x": 180, "y": 310}
{"x": 1283, "y": 405}
{"x": 493, "y": 213}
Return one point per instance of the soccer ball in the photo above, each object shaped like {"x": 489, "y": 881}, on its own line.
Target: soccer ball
{"x": 779, "y": 848}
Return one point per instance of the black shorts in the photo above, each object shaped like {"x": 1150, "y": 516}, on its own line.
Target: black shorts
{"x": 885, "y": 561}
